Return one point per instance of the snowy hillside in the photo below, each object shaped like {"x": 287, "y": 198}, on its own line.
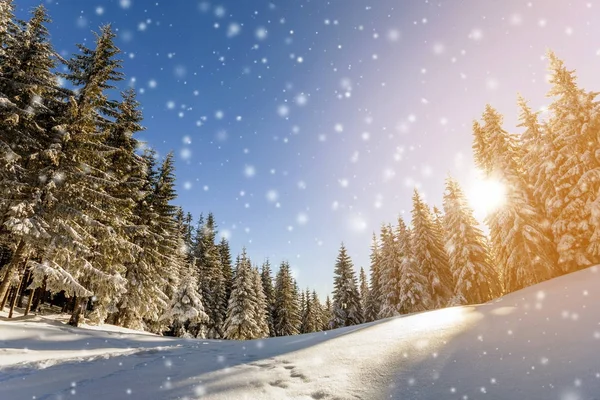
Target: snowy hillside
{"x": 538, "y": 343}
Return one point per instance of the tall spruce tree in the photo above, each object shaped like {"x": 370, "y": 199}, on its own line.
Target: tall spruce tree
{"x": 287, "y": 310}
{"x": 267, "y": 283}
{"x": 363, "y": 290}
{"x": 414, "y": 289}
{"x": 262, "y": 309}
{"x": 241, "y": 322}
{"x": 391, "y": 273}
{"x": 374, "y": 297}
{"x": 475, "y": 280}
{"x": 520, "y": 233}
{"x": 429, "y": 254}
{"x": 575, "y": 207}
{"x": 346, "y": 299}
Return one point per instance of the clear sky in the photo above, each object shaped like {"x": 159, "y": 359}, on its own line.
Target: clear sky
{"x": 301, "y": 124}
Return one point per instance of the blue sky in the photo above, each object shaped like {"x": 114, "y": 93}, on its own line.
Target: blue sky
{"x": 302, "y": 124}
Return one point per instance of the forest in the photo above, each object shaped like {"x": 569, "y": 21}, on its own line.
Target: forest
{"x": 88, "y": 220}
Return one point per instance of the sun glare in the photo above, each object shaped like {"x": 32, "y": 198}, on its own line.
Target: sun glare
{"x": 486, "y": 195}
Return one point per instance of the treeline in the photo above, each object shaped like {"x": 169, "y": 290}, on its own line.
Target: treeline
{"x": 548, "y": 225}
{"x": 88, "y": 220}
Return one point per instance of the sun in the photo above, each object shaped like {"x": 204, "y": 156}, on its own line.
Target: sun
{"x": 486, "y": 195}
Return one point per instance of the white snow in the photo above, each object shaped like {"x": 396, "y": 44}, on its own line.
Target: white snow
{"x": 539, "y": 343}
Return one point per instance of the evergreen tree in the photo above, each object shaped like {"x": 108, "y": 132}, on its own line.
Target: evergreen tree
{"x": 311, "y": 319}
{"x": 429, "y": 254}
{"x": 241, "y": 322}
{"x": 327, "y": 315}
{"x": 346, "y": 300}
{"x": 185, "y": 312}
{"x": 519, "y": 231}
{"x": 374, "y": 297}
{"x": 364, "y": 290}
{"x": 262, "y": 308}
{"x": 475, "y": 280}
{"x": 225, "y": 257}
{"x": 414, "y": 288}
{"x": 208, "y": 257}
{"x": 575, "y": 206}
{"x": 269, "y": 291}
{"x": 287, "y": 309}
{"x": 391, "y": 273}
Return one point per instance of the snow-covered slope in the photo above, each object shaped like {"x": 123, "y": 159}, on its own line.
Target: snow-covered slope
{"x": 540, "y": 343}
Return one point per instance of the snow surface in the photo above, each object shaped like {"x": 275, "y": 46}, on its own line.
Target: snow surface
{"x": 539, "y": 343}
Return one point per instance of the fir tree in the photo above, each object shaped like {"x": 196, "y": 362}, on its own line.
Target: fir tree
{"x": 575, "y": 206}
{"x": 327, "y": 315}
{"x": 269, "y": 291}
{"x": 429, "y": 254}
{"x": 287, "y": 309}
{"x": 414, "y": 288}
{"x": 519, "y": 232}
{"x": 262, "y": 309}
{"x": 241, "y": 322}
{"x": 185, "y": 312}
{"x": 391, "y": 273}
{"x": 363, "y": 289}
{"x": 475, "y": 280}
{"x": 374, "y": 298}
{"x": 225, "y": 257}
{"x": 346, "y": 300}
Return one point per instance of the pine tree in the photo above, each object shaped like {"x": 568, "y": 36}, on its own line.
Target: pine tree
{"x": 519, "y": 231}
{"x": 429, "y": 254}
{"x": 262, "y": 308}
{"x": 346, "y": 300}
{"x": 575, "y": 207}
{"x": 311, "y": 319}
{"x": 186, "y": 312}
{"x": 225, "y": 257}
{"x": 363, "y": 290}
{"x": 475, "y": 280}
{"x": 414, "y": 288}
{"x": 241, "y": 322}
{"x": 287, "y": 309}
{"x": 212, "y": 281}
{"x": 327, "y": 315}
{"x": 391, "y": 273}
{"x": 267, "y": 283}
{"x": 374, "y": 297}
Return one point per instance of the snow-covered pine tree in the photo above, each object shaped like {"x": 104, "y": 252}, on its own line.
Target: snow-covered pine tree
{"x": 519, "y": 231}
{"x": 327, "y": 315}
{"x": 225, "y": 257}
{"x": 363, "y": 290}
{"x": 302, "y": 302}
{"x": 287, "y": 309}
{"x": 475, "y": 280}
{"x": 391, "y": 273}
{"x": 241, "y": 322}
{"x": 429, "y": 254}
{"x": 267, "y": 283}
{"x": 374, "y": 297}
{"x": 147, "y": 275}
{"x": 414, "y": 288}
{"x": 262, "y": 308}
{"x": 212, "y": 282}
{"x": 27, "y": 150}
{"x": 185, "y": 312}
{"x": 315, "y": 317}
{"x": 538, "y": 154}
{"x": 575, "y": 207}
{"x": 346, "y": 300}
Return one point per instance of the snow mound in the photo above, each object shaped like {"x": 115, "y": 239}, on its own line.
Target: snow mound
{"x": 538, "y": 343}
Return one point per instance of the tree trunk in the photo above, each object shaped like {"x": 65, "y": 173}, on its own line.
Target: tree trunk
{"x": 4, "y": 300}
{"x": 30, "y": 300}
{"x": 80, "y": 302}
{"x": 14, "y": 300}
{"x": 10, "y": 268}
{"x": 39, "y": 293}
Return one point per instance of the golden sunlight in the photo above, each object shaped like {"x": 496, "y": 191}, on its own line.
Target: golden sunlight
{"x": 486, "y": 195}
